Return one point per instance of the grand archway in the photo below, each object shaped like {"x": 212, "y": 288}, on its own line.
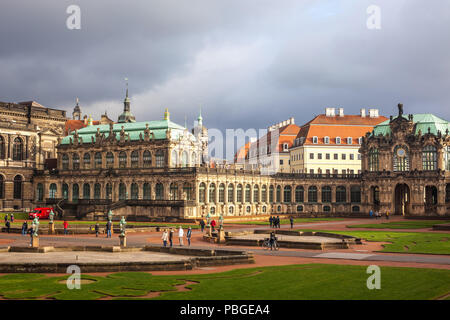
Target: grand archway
{"x": 375, "y": 197}
{"x": 402, "y": 196}
{"x": 431, "y": 199}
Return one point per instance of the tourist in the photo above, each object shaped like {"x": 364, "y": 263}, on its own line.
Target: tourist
{"x": 370, "y": 214}
{"x": 387, "y": 215}
{"x": 292, "y": 222}
{"x": 270, "y": 221}
{"x": 31, "y": 231}
{"x": 97, "y": 229}
{"x": 213, "y": 224}
{"x": 7, "y": 226}
{"x": 278, "y": 222}
{"x": 164, "y": 237}
{"x": 171, "y": 237}
{"x": 202, "y": 224}
{"x": 12, "y": 217}
{"x": 24, "y": 227}
{"x": 6, "y": 217}
{"x": 108, "y": 229}
{"x": 180, "y": 235}
{"x": 272, "y": 240}
{"x": 66, "y": 226}
{"x": 188, "y": 236}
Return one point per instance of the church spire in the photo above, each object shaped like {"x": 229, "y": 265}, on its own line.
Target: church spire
{"x": 76, "y": 114}
{"x": 126, "y": 116}
{"x": 200, "y": 118}
{"x": 167, "y": 114}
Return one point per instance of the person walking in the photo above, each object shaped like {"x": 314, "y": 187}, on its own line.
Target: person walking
{"x": 24, "y": 227}
{"x": 272, "y": 240}
{"x": 6, "y": 217}
{"x": 292, "y": 222}
{"x": 278, "y": 222}
{"x": 8, "y": 225}
{"x": 66, "y": 226}
{"x": 202, "y": 225}
{"x": 180, "y": 235}
{"x": 108, "y": 229}
{"x": 213, "y": 224}
{"x": 165, "y": 237}
{"x": 370, "y": 214}
{"x": 188, "y": 236}
{"x": 271, "y": 221}
{"x": 31, "y": 231}
{"x": 97, "y": 229}
{"x": 12, "y": 217}
{"x": 171, "y": 237}
{"x": 387, "y": 215}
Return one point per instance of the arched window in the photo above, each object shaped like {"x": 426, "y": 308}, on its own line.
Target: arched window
{"x": 134, "y": 191}
{"x": 135, "y": 159}
{"x": 264, "y": 193}
{"x": 97, "y": 191}
{"x": 299, "y": 208}
{"x": 173, "y": 191}
{"x": 341, "y": 194}
{"x": 122, "y": 159}
{"x": 174, "y": 158}
{"x": 278, "y": 193}
{"x": 373, "y": 159}
{"x": 159, "y": 191}
{"x": 248, "y": 194}
{"x": 401, "y": 158}
{"x": 184, "y": 159}
{"x": 429, "y": 158}
{"x": 86, "y": 191}
{"x": 98, "y": 159}
{"x": 213, "y": 210}
{"x": 75, "y": 192}
{"x": 53, "y": 190}
{"x": 122, "y": 191}
{"x": 271, "y": 190}
{"x": 326, "y": 194}
{"x": 256, "y": 193}
{"x": 147, "y": 158}
{"x": 2, "y": 187}
{"x": 65, "y": 161}
{"x": 212, "y": 193}
{"x": 447, "y": 159}
{"x": 65, "y": 191}
{"x": 447, "y": 193}
{"x": 18, "y": 187}
{"x": 2, "y": 148}
{"x": 87, "y": 160}
{"x": 239, "y": 193}
{"x": 287, "y": 194}
{"x": 355, "y": 194}
{"x": 17, "y": 149}
{"x": 187, "y": 190}
{"x": 109, "y": 160}
{"x": 160, "y": 159}
{"x": 201, "y": 192}
{"x": 76, "y": 161}
{"x": 221, "y": 193}
{"x": 299, "y": 194}
{"x": 146, "y": 191}
{"x": 326, "y": 208}
{"x": 230, "y": 209}
{"x": 40, "y": 192}
{"x": 194, "y": 159}
{"x": 312, "y": 194}
{"x": 230, "y": 192}
{"x": 108, "y": 191}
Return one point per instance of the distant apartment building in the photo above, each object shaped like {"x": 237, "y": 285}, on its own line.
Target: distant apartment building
{"x": 329, "y": 143}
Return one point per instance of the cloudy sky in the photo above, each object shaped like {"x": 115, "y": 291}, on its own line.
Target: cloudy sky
{"x": 247, "y": 63}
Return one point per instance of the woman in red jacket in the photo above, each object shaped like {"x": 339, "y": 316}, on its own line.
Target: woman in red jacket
{"x": 65, "y": 225}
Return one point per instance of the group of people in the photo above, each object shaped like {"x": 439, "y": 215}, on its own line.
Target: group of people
{"x": 377, "y": 214}
{"x": 275, "y": 222}
{"x": 8, "y": 223}
{"x": 167, "y": 236}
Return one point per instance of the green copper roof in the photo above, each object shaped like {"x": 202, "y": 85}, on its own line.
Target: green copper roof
{"x": 423, "y": 121}
{"x": 133, "y": 129}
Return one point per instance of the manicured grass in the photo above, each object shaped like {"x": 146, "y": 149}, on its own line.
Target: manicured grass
{"x": 406, "y": 224}
{"x": 286, "y": 221}
{"x": 404, "y": 242}
{"x": 293, "y": 282}
{"x": 17, "y": 215}
{"x": 115, "y": 223}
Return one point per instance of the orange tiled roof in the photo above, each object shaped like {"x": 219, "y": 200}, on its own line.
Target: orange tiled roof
{"x": 241, "y": 154}
{"x": 352, "y": 120}
{"x": 72, "y": 125}
{"x": 287, "y": 134}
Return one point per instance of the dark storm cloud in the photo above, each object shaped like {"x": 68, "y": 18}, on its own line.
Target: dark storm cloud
{"x": 246, "y": 63}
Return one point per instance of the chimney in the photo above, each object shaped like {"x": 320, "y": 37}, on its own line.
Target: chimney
{"x": 341, "y": 112}
{"x": 373, "y": 113}
{"x": 292, "y": 120}
{"x": 85, "y": 119}
{"x": 330, "y": 112}
{"x": 363, "y": 113}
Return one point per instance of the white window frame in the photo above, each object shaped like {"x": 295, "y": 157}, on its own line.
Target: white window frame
{"x": 338, "y": 140}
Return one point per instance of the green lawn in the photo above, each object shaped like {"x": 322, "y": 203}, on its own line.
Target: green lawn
{"x": 17, "y": 215}
{"x": 406, "y": 224}
{"x": 286, "y": 221}
{"x": 404, "y": 242}
{"x": 293, "y": 282}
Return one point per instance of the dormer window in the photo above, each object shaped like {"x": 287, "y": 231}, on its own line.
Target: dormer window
{"x": 285, "y": 147}
{"x": 349, "y": 140}
{"x": 326, "y": 140}
{"x": 360, "y": 140}
{"x": 338, "y": 140}
{"x": 315, "y": 140}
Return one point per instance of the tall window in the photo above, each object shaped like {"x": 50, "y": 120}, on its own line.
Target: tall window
{"x": 326, "y": 194}
{"x": 75, "y": 161}
{"x": 87, "y": 160}
{"x": 17, "y": 149}
{"x": 65, "y": 191}
{"x": 75, "y": 192}
{"x": 341, "y": 194}
{"x": 278, "y": 193}
{"x": 264, "y": 193}
{"x": 173, "y": 191}
{"x": 239, "y": 193}
{"x": 194, "y": 159}
{"x": 201, "y": 192}
{"x": 221, "y": 193}
{"x": 134, "y": 191}
{"x": 299, "y": 194}
{"x": 160, "y": 159}
{"x": 159, "y": 191}
{"x": 271, "y": 190}
{"x": 248, "y": 193}
{"x": 174, "y": 158}
{"x": 429, "y": 158}
{"x": 98, "y": 159}
{"x": 97, "y": 191}
{"x": 401, "y": 158}
{"x": 147, "y": 158}
{"x": 373, "y": 159}
{"x": 2, "y": 148}
{"x": 355, "y": 194}
{"x": 65, "y": 161}
{"x": 287, "y": 194}
{"x": 230, "y": 192}
{"x": 53, "y": 190}
{"x": 122, "y": 191}
{"x": 212, "y": 193}
{"x": 122, "y": 159}
{"x": 18, "y": 187}
{"x": 146, "y": 191}
{"x": 256, "y": 193}
{"x": 40, "y": 192}
{"x": 135, "y": 159}
{"x": 108, "y": 191}
{"x": 187, "y": 190}
{"x": 312, "y": 194}
{"x": 2, "y": 187}
{"x": 86, "y": 191}
{"x": 184, "y": 159}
